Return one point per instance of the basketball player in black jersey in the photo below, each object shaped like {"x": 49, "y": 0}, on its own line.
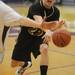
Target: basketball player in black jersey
{"x": 35, "y": 40}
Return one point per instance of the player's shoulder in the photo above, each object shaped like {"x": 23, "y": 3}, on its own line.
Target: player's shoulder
{"x": 1, "y": 3}
{"x": 56, "y": 8}
{"x": 35, "y": 6}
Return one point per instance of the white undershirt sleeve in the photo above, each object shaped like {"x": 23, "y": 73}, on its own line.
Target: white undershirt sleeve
{"x": 7, "y": 14}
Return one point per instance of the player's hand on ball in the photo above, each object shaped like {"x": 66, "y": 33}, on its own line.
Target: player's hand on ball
{"x": 60, "y": 23}
{"x": 48, "y": 25}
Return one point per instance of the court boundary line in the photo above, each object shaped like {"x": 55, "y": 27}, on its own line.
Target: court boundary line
{"x": 63, "y": 52}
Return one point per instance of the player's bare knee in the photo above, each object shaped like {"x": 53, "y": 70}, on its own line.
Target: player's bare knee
{"x": 14, "y": 63}
{"x": 44, "y": 49}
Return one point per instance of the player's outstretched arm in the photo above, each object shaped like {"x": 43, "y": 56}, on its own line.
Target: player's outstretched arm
{"x": 10, "y": 17}
{"x": 29, "y": 23}
{"x": 52, "y": 25}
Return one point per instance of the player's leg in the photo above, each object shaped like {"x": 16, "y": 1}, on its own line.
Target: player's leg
{"x": 44, "y": 59}
{"x": 4, "y": 33}
{"x": 1, "y": 45}
{"x": 20, "y": 59}
{"x": 20, "y": 70}
{"x": 43, "y": 50}
{"x": 21, "y": 56}
{"x": 1, "y": 56}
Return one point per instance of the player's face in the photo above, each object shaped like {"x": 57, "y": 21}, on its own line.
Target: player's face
{"x": 48, "y": 3}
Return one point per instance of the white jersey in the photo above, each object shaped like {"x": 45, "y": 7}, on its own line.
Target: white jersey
{"x": 7, "y": 14}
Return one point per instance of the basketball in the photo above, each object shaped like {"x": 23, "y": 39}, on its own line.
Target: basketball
{"x": 61, "y": 38}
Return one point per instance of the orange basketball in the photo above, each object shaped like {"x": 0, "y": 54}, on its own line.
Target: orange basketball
{"x": 61, "y": 38}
